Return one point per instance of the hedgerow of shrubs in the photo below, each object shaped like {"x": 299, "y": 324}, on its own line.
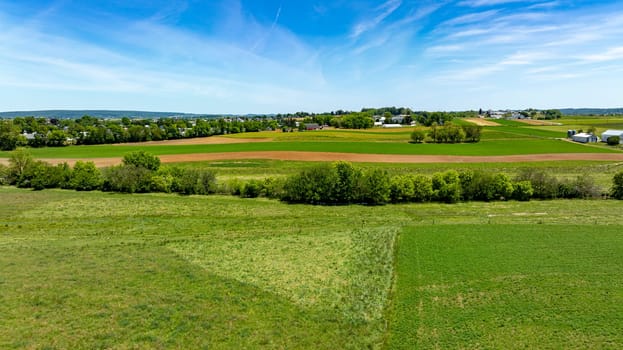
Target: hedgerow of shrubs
{"x": 338, "y": 183}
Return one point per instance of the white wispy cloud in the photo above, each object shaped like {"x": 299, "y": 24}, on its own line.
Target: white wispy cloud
{"x": 382, "y": 12}
{"x": 544, "y": 5}
{"x": 482, "y": 3}
{"x": 153, "y": 59}
{"x": 611, "y": 54}
{"x": 471, "y": 18}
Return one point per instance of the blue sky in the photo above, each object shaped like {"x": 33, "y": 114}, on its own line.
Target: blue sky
{"x": 278, "y": 56}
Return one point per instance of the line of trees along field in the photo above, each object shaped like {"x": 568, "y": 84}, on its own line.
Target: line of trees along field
{"x": 448, "y": 133}
{"x": 328, "y": 184}
{"x": 40, "y": 132}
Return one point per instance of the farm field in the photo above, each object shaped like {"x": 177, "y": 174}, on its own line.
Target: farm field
{"x": 506, "y": 139}
{"x": 99, "y": 270}
{"x": 508, "y": 287}
{"x": 511, "y": 143}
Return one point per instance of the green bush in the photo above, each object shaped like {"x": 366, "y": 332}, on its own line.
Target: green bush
{"x": 127, "y": 179}
{"x": 195, "y": 181}
{"x": 273, "y": 187}
{"x": 347, "y": 178}
{"x": 374, "y": 187}
{"x": 422, "y": 188}
{"x": 522, "y": 190}
{"x": 85, "y": 177}
{"x": 616, "y": 191}
{"x": 62, "y": 174}
{"x": 251, "y": 189}
{"x": 613, "y": 140}
{"x": 19, "y": 161}
{"x": 314, "y": 186}
{"x": 446, "y": 186}
{"x": 4, "y": 175}
{"x": 586, "y": 187}
{"x": 544, "y": 185}
{"x": 418, "y": 135}
{"x": 162, "y": 181}
{"x": 52, "y": 177}
{"x": 34, "y": 176}
{"x": 232, "y": 187}
{"x": 402, "y": 188}
{"x": 142, "y": 159}
{"x": 502, "y": 187}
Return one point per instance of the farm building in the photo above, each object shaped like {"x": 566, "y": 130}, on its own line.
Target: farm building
{"x": 392, "y": 126}
{"x": 584, "y": 137}
{"x": 608, "y": 133}
{"x": 312, "y": 126}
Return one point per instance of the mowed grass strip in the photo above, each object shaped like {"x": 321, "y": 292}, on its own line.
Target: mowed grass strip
{"x": 483, "y": 148}
{"x": 508, "y": 286}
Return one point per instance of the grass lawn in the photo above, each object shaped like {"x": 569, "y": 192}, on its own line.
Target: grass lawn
{"x": 86, "y": 270}
{"x": 508, "y": 287}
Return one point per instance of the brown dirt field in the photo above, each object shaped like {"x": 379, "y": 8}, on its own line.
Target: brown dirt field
{"x": 481, "y": 122}
{"x": 353, "y": 157}
{"x": 212, "y": 140}
{"x": 537, "y": 122}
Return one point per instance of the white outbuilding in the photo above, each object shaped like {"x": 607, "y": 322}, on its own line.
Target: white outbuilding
{"x": 609, "y": 133}
{"x": 584, "y": 137}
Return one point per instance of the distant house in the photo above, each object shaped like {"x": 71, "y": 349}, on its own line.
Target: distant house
{"x": 584, "y": 137}
{"x": 399, "y": 119}
{"x": 608, "y": 133}
{"x": 29, "y": 136}
{"x": 312, "y": 126}
{"x": 378, "y": 123}
{"x": 495, "y": 114}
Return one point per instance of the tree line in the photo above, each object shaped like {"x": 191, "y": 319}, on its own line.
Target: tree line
{"x": 339, "y": 183}
{"x": 448, "y": 133}
{"x": 40, "y": 132}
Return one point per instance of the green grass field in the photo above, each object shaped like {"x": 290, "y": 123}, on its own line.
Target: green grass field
{"x": 508, "y": 287}
{"x": 483, "y": 148}
{"x": 98, "y": 270}
{"x": 510, "y": 138}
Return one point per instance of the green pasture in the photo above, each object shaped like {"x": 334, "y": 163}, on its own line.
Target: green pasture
{"x": 375, "y": 134}
{"x": 483, "y": 148}
{"x": 95, "y": 270}
{"x": 524, "y": 132}
{"x": 85, "y": 270}
{"x": 509, "y": 287}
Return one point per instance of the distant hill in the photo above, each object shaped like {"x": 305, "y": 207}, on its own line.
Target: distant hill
{"x": 592, "y": 111}
{"x": 104, "y": 114}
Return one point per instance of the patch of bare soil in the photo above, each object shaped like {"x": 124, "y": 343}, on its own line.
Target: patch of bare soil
{"x": 352, "y": 157}
{"x": 481, "y": 122}
{"x": 538, "y": 122}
